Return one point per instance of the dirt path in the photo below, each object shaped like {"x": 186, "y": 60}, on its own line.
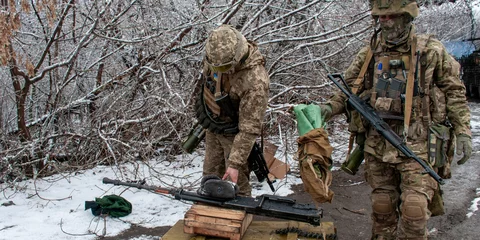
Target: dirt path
{"x": 350, "y": 210}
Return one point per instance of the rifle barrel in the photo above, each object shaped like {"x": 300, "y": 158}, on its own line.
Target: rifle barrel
{"x": 137, "y": 185}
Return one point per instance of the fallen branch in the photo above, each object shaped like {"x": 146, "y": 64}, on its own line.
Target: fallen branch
{"x": 361, "y": 211}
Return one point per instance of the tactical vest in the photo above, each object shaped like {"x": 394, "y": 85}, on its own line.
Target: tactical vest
{"x": 383, "y": 78}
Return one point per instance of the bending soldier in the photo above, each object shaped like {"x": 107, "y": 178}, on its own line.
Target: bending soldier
{"x": 413, "y": 84}
{"x": 232, "y": 104}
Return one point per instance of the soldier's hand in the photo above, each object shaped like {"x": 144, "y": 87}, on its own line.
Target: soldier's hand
{"x": 464, "y": 145}
{"x": 232, "y": 173}
{"x": 326, "y": 111}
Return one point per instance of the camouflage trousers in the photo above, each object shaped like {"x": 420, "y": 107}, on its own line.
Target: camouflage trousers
{"x": 400, "y": 198}
{"x": 216, "y": 160}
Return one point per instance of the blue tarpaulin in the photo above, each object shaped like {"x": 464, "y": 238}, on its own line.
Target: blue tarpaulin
{"x": 459, "y": 49}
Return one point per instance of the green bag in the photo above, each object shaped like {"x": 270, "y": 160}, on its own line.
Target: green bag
{"x": 113, "y": 205}
{"x": 303, "y": 124}
{"x": 313, "y": 113}
{"x": 308, "y": 118}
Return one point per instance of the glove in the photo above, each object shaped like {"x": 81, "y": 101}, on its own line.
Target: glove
{"x": 464, "y": 145}
{"x": 326, "y": 111}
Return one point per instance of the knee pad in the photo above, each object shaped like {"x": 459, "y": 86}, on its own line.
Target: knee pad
{"x": 382, "y": 203}
{"x": 414, "y": 207}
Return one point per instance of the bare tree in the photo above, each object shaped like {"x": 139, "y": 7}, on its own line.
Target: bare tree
{"x": 103, "y": 82}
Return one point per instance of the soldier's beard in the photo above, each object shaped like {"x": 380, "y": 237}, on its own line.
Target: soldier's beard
{"x": 395, "y": 31}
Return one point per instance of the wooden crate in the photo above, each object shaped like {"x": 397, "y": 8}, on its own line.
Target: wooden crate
{"x": 217, "y": 222}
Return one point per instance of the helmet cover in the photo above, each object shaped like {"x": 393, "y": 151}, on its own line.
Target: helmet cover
{"x": 225, "y": 47}
{"x": 394, "y": 7}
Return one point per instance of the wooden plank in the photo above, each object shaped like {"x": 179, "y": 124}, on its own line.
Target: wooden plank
{"x": 246, "y": 223}
{"x": 217, "y": 212}
{"x": 213, "y": 226}
{"x": 214, "y": 233}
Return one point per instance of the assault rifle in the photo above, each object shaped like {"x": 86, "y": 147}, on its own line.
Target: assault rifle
{"x": 265, "y": 205}
{"x": 381, "y": 126}
{"x": 257, "y": 163}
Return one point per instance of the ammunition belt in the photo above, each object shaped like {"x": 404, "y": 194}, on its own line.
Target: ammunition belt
{"x": 212, "y": 121}
{"x": 302, "y": 233}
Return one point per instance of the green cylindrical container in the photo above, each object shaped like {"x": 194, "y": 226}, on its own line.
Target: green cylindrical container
{"x": 194, "y": 138}
{"x": 354, "y": 160}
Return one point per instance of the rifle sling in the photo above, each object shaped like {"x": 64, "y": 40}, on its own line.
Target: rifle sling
{"x": 363, "y": 70}
{"x": 355, "y": 87}
{"x": 410, "y": 86}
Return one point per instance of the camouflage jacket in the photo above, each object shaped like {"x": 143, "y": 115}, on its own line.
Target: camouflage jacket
{"x": 248, "y": 90}
{"x": 442, "y": 71}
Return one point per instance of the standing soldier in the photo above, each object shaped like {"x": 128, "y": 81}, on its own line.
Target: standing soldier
{"x": 413, "y": 84}
{"x": 232, "y": 104}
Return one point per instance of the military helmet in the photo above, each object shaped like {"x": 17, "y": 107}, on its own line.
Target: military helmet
{"x": 225, "y": 48}
{"x": 394, "y": 7}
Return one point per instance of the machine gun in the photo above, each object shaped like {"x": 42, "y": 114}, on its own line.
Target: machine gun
{"x": 265, "y": 205}
{"x": 381, "y": 126}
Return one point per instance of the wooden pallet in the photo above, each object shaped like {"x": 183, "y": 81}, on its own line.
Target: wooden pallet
{"x": 216, "y": 222}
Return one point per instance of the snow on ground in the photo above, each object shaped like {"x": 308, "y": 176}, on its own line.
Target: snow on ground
{"x": 53, "y": 208}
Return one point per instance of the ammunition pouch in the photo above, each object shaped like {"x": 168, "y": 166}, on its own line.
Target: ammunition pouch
{"x": 212, "y": 121}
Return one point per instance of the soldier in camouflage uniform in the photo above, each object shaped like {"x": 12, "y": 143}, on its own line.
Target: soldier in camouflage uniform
{"x": 438, "y": 114}
{"x": 235, "y": 68}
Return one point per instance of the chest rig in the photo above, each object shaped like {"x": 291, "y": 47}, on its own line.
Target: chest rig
{"x": 395, "y": 85}
{"x": 391, "y": 71}
{"x": 395, "y": 81}
{"x": 215, "y": 110}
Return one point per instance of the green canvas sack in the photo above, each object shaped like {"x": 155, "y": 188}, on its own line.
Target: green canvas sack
{"x": 113, "y": 205}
